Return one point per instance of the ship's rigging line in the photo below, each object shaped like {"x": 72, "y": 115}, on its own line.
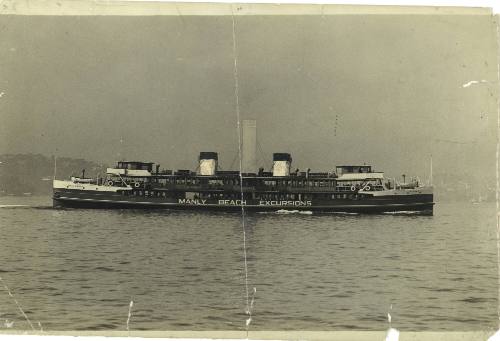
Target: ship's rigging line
{"x": 236, "y": 156}
{"x": 237, "y": 103}
{"x": 263, "y": 159}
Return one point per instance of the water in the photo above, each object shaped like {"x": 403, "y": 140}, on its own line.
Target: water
{"x": 79, "y": 269}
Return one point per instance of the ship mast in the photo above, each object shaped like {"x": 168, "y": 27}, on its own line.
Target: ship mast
{"x": 430, "y": 179}
{"x": 55, "y": 166}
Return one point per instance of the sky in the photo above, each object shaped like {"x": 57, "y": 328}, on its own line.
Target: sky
{"x": 385, "y": 90}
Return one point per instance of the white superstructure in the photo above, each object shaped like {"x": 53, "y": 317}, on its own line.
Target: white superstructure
{"x": 128, "y": 172}
{"x": 69, "y": 184}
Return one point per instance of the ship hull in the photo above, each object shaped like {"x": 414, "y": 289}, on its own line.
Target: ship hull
{"x": 419, "y": 203}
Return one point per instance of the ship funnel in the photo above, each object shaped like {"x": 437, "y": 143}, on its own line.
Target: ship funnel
{"x": 281, "y": 164}
{"x": 208, "y": 163}
{"x": 249, "y": 146}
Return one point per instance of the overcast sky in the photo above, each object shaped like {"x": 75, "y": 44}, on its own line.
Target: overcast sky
{"x": 385, "y": 90}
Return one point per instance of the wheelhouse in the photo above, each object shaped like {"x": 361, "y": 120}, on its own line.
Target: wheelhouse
{"x": 135, "y": 165}
{"x": 353, "y": 169}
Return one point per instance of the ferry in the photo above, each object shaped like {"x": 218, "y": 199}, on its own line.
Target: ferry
{"x": 347, "y": 189}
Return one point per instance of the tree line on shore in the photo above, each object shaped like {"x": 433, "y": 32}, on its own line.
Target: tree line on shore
{"x": 32, "y": 174}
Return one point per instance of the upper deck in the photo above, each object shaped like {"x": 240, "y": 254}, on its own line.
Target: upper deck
{"x": 344, "y": 179}
{"x": 185, "y": 173}
{"x": 145, "y": 169}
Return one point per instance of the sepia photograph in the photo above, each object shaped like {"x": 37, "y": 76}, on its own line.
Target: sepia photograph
{"x": 249, "y": 170}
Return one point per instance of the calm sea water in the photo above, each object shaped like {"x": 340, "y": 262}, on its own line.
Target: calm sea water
{"x": 79, "y": 269}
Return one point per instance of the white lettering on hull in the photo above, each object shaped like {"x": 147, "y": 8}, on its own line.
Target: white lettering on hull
{"x": 239, "y": 202}
{"x": 192, "y": 201}
{"x": 285, "y": 203}
{"x": 233, "y": 202}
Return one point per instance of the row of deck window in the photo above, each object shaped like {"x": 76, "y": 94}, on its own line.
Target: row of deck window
{"x": 272, "y": 183}
{"x": 214, "y": 183}
{"x": 235, "y": 195}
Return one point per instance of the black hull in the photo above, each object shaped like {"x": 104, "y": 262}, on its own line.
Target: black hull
{"x": 371, "y": 206}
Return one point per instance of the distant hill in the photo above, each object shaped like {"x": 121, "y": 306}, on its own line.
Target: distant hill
{"x": 33, "y": 173}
